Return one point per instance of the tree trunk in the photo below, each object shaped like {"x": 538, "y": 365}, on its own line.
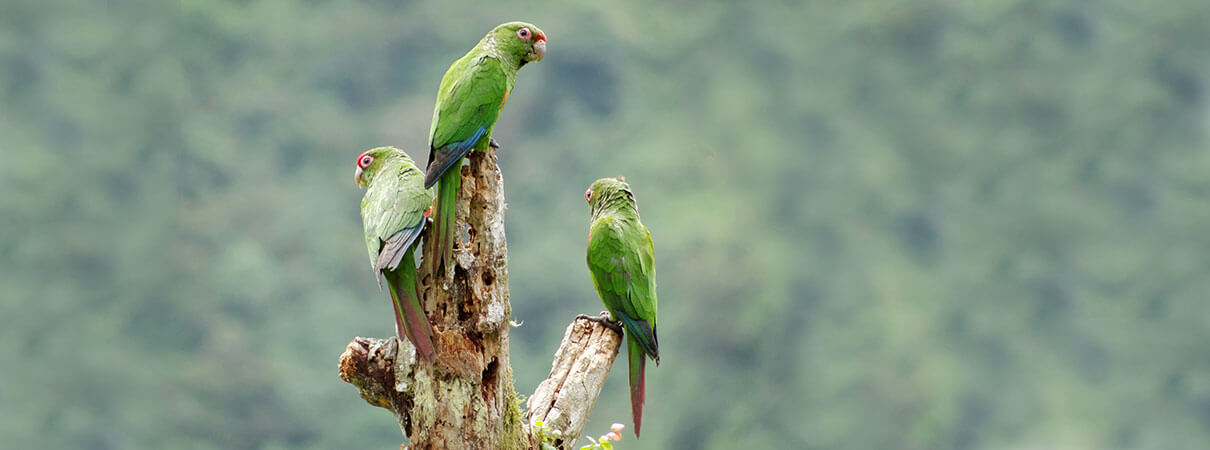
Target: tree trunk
{"x": 466, "y": 399}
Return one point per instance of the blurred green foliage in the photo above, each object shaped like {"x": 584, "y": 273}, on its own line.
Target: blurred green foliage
{"x": 878, "y": 224}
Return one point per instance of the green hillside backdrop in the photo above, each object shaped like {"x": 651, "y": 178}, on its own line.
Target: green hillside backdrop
{"x": 878, "y": 224}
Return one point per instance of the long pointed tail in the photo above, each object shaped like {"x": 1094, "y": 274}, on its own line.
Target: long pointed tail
{"x": 410, "y": 322}
{"x": 638, "y": 381}
{"x": 443, "y": 219}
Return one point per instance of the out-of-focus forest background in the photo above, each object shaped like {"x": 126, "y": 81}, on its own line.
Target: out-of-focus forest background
{"x": 878, "y": 224}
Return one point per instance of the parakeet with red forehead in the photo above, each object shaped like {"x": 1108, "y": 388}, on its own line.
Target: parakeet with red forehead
{"x": 472, "y": 93}
{"x": 392, "y": 212}
{"x": 621, "y": 259}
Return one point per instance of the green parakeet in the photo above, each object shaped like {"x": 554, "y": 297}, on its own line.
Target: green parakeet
{"x": 622, "y": 262}
{"x": 393, "y": 212}
{"x": 472, "y": 93}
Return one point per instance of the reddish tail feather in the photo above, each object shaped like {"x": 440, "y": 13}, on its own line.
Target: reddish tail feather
{"x": 417, "y": 328}
{"x": 410, "y": 322}
{"x": 638, "y": 382}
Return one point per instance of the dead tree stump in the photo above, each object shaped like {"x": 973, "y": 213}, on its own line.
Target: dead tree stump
{"x": 466, "y": 399}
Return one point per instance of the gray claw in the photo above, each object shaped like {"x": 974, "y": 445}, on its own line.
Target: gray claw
{"x": 604, "y": 319}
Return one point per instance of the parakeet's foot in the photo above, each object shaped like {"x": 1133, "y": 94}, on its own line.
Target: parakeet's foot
{"x": 491, "y": 142}
{"x": 603, "y": 319}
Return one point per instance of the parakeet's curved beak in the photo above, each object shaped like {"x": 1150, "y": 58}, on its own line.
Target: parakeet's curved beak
{"x": 538, "y": 51}
{"x": 357, "y": 178}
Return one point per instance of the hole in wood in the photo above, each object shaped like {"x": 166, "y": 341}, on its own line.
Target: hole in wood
{"x": 489, "y": 378}
{"x": 464, "y": 309}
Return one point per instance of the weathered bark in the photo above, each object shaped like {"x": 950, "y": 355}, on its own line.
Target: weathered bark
{"x": 466, "y": 399}
{"x": 563, "y": 401}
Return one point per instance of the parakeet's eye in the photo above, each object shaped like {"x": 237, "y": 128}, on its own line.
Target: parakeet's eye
{"x": 365, "y": 161}
{"x": 524, "y": 34}
{"x": 588, "y": 195}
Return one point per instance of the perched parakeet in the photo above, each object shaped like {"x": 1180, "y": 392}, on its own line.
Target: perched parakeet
{"x": 622, "y": 261}
{"x": 472, "y": 93}
{"x": 393, "y": 212}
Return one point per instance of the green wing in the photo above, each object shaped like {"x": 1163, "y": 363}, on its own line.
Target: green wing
{"x": 621, "y": 258}
{"x": 393, "y": 211}
{"x": 468, "y": 104}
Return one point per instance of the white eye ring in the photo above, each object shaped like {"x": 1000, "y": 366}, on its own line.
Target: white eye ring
{"x": 366, "y": 160}
{"x": 524, "y": 34}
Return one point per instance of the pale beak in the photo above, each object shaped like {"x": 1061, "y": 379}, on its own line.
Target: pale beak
{"x": 357, "y": 178}
{"x": 539, "y": 51}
